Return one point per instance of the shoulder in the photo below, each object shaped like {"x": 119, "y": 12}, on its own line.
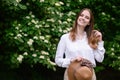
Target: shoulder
{"x": 65, "y": 36}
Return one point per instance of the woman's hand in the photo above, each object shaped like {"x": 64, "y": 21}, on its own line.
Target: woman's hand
{"x": 76, "y": 59}
{"x": 98, "y": 35}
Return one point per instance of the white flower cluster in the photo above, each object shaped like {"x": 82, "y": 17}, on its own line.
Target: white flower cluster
{"x": 27, "y": 17}
{"x": 59, "y": 3}
{"x": 119, "y": 57}
{"x": 25, "y": 53}
{"x": 51, "y": 20}
{"x": 103, "y": 13}
{"x": 71, "y": 13}
{"x": 18, "y": 36}
{"x": 69, "y": 20}
{"x": 18, "y": 1}
{"x": 52, "y": 63}
{"x": 34, "y": 21}
{"x": 42, "y": 0}
{"x": 44, "y": 53}
{"x": 112, "y": 53}
{"x": 42, "y": 57}
{"x": 20, "y": 58}
{"x": 119, "y": 68}
{"x": 42, "y": 37}
{"x": 46, "y": 41}
{"x": 35, "y": 37}
{"x": 37, "y": 26}
{"x": 59, "y": 21}
{"x": 30, "y": 42}
{"x": 34, "y": 55}
{"x": 80, "y": 0}
{"x": 46, "y": 25}
{"x": 112, "y": 49}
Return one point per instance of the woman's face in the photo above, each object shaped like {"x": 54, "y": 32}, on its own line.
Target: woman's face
{"x": 84, "y": 18}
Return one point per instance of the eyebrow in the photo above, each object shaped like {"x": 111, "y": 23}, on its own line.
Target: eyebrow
{"x": 85, "y": 15}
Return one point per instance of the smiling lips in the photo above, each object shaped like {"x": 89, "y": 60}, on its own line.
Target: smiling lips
{"x": 81, "y": 20}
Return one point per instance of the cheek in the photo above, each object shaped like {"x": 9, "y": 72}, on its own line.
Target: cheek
{"x": 78, "y": 20}
{"x": 88, "y": 21}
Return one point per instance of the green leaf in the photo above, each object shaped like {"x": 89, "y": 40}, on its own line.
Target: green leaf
{"x": 22, "y": 6}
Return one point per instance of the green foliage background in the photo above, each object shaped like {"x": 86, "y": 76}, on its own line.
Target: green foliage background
{"x": 30, "y": 29}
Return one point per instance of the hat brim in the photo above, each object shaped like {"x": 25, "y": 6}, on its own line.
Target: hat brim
{"x": 77, "y": 72}
{"x": 83, "y": 73}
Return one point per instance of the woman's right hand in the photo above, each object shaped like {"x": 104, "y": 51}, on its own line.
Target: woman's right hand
{"x": 78, "y": 58}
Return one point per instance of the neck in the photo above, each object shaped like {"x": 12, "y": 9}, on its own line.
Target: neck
{"x": 80, "y": 30}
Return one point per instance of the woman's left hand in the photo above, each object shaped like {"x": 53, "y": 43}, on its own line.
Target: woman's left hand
{"x": 98, "y": 35}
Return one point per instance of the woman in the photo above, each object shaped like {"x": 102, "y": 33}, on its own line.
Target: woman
{"x": 81, "y": 42}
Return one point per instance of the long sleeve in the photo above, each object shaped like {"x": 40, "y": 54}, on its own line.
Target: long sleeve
{"x": 99, "y": 52}
{"x": 59, "y": 59}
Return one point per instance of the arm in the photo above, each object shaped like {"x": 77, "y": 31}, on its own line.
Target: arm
{"x": 59, "y": 60}
{"x": 99, "y": 52}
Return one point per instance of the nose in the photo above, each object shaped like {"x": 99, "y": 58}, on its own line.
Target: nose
{"x": 82, "y": 17}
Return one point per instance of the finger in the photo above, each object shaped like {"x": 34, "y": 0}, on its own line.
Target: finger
{"x": 79, "y": 59}
{"x": 72, "y": 60}
{"x": 97, "y": 34}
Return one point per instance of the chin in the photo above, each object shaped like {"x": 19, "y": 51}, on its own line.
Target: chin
{"x": 81, "y": 25}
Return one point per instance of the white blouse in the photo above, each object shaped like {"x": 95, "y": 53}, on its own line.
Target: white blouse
{"x": 81, "y": 48}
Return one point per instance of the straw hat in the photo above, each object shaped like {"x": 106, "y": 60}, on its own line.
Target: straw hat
{"x": 78, "y": 72}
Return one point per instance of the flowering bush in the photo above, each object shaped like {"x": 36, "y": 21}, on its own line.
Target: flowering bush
{"x": 112, "y": 52}
{"x": 34, "y": 39}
